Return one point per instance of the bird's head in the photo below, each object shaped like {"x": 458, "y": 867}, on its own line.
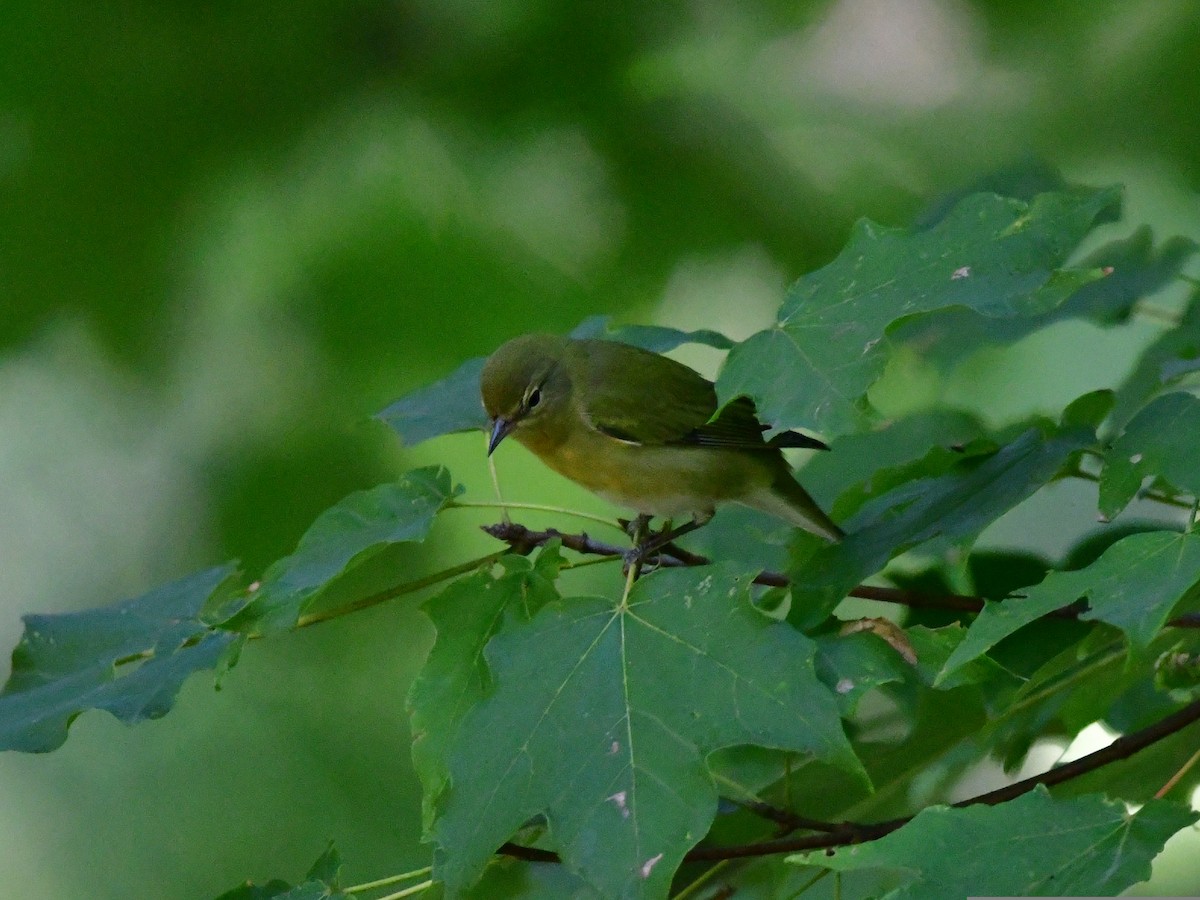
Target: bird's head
{"x": 525, "y": 386}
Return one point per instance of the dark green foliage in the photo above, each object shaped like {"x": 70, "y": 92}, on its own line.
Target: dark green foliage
{"x": 1033, "y": 846}
{"x": 626, "y": 733}
{"x": 130, "y": 659}
{"x": 997, "y": 256}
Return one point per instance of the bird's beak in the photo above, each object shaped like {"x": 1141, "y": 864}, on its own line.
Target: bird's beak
{"x": 500, "y": 430}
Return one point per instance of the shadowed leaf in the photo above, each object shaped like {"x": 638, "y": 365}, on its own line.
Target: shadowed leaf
{"x": 950, "y": 507}
{"x": 1160, "y": 441}
{"x": 467, "y": 614}
{"x": 601, "y": 719}
{"x": 1033, "y": 846}
{"x": 1134, "y": 585}
{"x": 129, "y": 659}
{"x": 343, "y": 537}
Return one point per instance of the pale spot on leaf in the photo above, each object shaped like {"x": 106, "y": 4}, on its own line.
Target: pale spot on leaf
{"x": 963, "y": 272}
{"x": 619, "y": 799}
{"x": 648, "y": 865}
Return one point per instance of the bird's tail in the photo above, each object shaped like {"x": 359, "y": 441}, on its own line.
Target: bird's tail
{"x": 788, "y": 500}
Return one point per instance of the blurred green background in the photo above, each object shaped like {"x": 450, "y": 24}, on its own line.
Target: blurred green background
{"x": 233, "y": 232}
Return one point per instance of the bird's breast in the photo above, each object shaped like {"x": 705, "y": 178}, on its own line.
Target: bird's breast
{"x": 666, "y": 481}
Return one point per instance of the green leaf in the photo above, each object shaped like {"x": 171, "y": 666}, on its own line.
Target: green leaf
{"x": 602, "y": 716}
{"x": 655, "y": 338}
{"x": 1176, "y": 353}
{"x": 129, "y": 659}
{"x": 453, "y": 405}
{"x": 466, "y": 615}
{"x": 444, "y": 407}
{"x": 1160, "y": 441}
{"x": 851, "y": 665}
{"x": 997, "y": 256}
{"x": 1136, "y": 267}
{"x": 1134, "y": 585}
{"x": 513, "y": 879}
{"x": 321, "y": 883}
{"x": 894, "y": 444}
{"x": 950, "y": 508}
{"x": 1033, "y": 846}
{"x": 343, "y": 537}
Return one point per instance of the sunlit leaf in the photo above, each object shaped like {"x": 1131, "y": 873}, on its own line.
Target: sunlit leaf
{"x": 997, "y": 256}
{"x": 341, "y": 538}
{"x": 129, "y": 659}
{"x": 1134, "y": 585}
{"x": 1160, "y": 441}
{"x": 1033, "y": 846}
{"x": 601, "y": 718}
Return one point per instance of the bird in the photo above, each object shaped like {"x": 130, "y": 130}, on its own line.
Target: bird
{"x": 643, "y": 431}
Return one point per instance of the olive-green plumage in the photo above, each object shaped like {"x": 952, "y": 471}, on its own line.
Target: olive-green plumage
{"x": 635, "y": 427}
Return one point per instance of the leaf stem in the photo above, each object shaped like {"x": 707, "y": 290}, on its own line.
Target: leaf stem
{"x": 536, "y": 507}
{"x": 393, "y": 592}
{"x": 811, "y": 883}
{"x": 1157, "y": 313}
{"x": 704, "y": 878}
{"x": 1153, "y": 495}
{"x": 391, "y": 879}
{"x": 1174, "y": 779}
{"x": 409, "y": 891}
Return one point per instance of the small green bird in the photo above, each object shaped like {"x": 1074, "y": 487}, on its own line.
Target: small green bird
{"x": 637, "y": 428}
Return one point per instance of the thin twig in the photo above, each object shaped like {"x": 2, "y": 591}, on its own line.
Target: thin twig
{"x": 525, "y": 540}
{"x": 1175, "y": 779}
{"x": 845, "y": 833}
{"x": 393, "y": 592}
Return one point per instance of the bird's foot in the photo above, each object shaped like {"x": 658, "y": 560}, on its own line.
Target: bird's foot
{"x": 647, "y": 545}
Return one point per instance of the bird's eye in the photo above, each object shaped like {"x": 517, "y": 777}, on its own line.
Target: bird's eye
{"x": 535, "y": 397}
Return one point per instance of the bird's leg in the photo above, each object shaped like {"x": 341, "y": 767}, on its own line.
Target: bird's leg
{"x": 637, "y": 527}
{"x": 667, "y": 535}
{"x": 637, "y": 530}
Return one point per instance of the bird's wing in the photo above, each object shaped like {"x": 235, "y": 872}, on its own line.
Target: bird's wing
{"x": 640, "y": 397}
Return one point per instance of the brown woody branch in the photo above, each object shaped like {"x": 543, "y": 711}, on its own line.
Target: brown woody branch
{"x": 524, "y": 540}
{"x": 840, "y": 834}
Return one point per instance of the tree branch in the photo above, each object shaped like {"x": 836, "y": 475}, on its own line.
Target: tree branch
{"x": 841, "y": 834}
{"x": 523, "y": 540}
